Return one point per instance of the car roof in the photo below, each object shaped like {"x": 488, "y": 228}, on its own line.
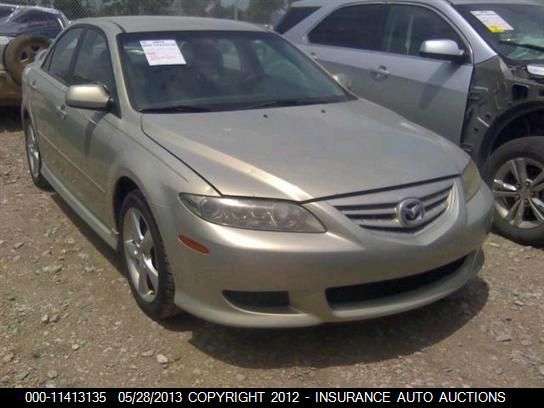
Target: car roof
{"x": 137, "y": 24}
{"x": 321, "y": 3}
{"x": 25, "y": 7}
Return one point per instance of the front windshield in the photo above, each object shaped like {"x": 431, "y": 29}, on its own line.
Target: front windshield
{"x": 515, "y": 31}
{"x": 217, "y": 71}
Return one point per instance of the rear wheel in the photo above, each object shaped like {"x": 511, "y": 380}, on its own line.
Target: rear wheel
{"x": 144, "y": 259}
{"x": 20, "y": 52}
{"x": 516, "y": 173}
{"x": 34, "y": 157}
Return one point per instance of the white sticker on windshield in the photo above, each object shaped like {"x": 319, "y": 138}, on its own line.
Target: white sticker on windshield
{"x": 162, "y": 52}
{"x": 493, "y": 22}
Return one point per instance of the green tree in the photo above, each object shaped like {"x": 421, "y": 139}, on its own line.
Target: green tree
{"x": 135, "y": 7}
{"x": 194, "y": 7}
{"x": 72, "y": 9}
{"x": 260, "y": 11}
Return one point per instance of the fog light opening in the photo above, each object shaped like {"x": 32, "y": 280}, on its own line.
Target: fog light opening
{"x": 195, "y": 246}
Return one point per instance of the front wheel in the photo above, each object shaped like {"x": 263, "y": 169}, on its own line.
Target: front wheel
{"x": 144, "y": 259}
{"x": 515, "y": 171}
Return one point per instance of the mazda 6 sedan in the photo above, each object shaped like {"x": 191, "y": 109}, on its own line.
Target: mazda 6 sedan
{"x": 241, "y": 182}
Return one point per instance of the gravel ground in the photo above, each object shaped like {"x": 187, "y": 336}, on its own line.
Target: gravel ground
{"x": 68, "y": 319}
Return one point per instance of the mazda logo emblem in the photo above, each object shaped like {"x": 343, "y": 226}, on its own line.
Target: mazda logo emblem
{"x": 411, "y": 212}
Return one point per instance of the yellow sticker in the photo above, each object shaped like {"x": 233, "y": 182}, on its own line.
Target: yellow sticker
{"x": 493, "y": 22}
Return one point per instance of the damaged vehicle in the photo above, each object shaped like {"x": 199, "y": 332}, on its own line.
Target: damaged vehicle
{"x": 24, "y": 32}
{"x": 470, "y": 70}
{"x": 241, "y": 182}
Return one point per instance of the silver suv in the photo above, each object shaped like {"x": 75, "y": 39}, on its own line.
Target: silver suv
{"x": 470, "y": 70}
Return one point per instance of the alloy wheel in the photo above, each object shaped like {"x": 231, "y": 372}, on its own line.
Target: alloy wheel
{"x": 518, "y": 187}
{"x": 33, "y": 153}
{"x": 140, "y": 255}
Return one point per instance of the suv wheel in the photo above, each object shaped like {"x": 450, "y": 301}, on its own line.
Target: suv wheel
{"x": 516, "y": 173}
{"x": 144, "y": 259}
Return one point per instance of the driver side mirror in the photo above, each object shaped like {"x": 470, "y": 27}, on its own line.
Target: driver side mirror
{"x": 442, "y": 49}
{"x": 92, "y": 96}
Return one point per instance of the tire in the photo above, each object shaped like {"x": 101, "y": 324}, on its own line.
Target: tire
{"x": 515, "y": 171}
{"x": 146, "y": 267}
{"x": 34, "y": 157}
{"x": 20, "y": 52}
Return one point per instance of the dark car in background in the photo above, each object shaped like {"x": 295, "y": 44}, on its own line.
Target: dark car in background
{"x": 24, "y": 31}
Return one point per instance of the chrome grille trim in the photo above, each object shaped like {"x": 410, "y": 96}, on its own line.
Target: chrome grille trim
{"x": 383, "y": 216}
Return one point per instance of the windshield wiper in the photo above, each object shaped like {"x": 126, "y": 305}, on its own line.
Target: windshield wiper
{"x": 277, "y": 103}
{"x": 176, "y": 109}
{"x": 523, "y": 45}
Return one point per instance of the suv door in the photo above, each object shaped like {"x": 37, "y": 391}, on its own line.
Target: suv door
{"x": 347, "y": 42}
{"x": 429, "y": 91}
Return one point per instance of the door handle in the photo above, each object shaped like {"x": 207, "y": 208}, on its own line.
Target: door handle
{"x": 380, "y": 73}
{"x": 34, "y": 84}
{"x": 313, "y": 55}
{"x": 61, "y": 111}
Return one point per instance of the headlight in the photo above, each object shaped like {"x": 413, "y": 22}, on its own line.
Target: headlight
{"x": 254, "y": 214}
{"x": 471, "y": 181}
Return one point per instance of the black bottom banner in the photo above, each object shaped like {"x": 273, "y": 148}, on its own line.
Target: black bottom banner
{"x": 121, "y": 397}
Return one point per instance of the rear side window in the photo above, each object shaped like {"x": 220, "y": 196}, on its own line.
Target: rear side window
{"x": 294, "y": 16}
{"x": 61, "y": 59}
{"x": 359, "y": 27}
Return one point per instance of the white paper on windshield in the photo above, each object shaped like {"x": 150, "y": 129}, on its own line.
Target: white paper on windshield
{"x": 162, "y": 52}
{"x": 493, "y": 22}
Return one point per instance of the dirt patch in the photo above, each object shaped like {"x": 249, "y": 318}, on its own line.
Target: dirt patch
{"x": 68, "y": 319}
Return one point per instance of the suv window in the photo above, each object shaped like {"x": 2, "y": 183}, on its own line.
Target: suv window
{"x": 93, "y": 62}
{"x": 360, "y": 27}
{"x": 409, "y": 26}
{"x": 294, "y": 16}
{"x": 62, "y": 56}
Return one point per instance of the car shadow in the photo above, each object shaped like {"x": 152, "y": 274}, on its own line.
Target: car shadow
{"x": 10, "y": 120}
{"x": 322, "y": 346}
{"x": 337, "y": 344}
{"x": 109, "y": 254}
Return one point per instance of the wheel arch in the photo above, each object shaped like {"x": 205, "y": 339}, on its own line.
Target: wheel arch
{"x": 498, "y": 134}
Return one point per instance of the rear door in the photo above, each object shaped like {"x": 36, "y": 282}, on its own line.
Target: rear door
{"x": 49, "y": 87}
{"x": 348, "y": 42}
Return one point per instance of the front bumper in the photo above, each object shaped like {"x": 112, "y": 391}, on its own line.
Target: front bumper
{"x": 301, "y": 276}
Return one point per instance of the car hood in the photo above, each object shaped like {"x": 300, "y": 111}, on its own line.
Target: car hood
{"x": 304, "y": 153}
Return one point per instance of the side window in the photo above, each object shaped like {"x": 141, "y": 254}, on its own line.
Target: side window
{"x": 409, "y": 26}
{"x": 61, "y": 58}
{"x": 359, "y": 27}
{"x": 93, "y": 63}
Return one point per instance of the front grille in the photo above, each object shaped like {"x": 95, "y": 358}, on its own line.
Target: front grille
{"x": 379, "y": 290}
{"x": 384, "y": 216}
